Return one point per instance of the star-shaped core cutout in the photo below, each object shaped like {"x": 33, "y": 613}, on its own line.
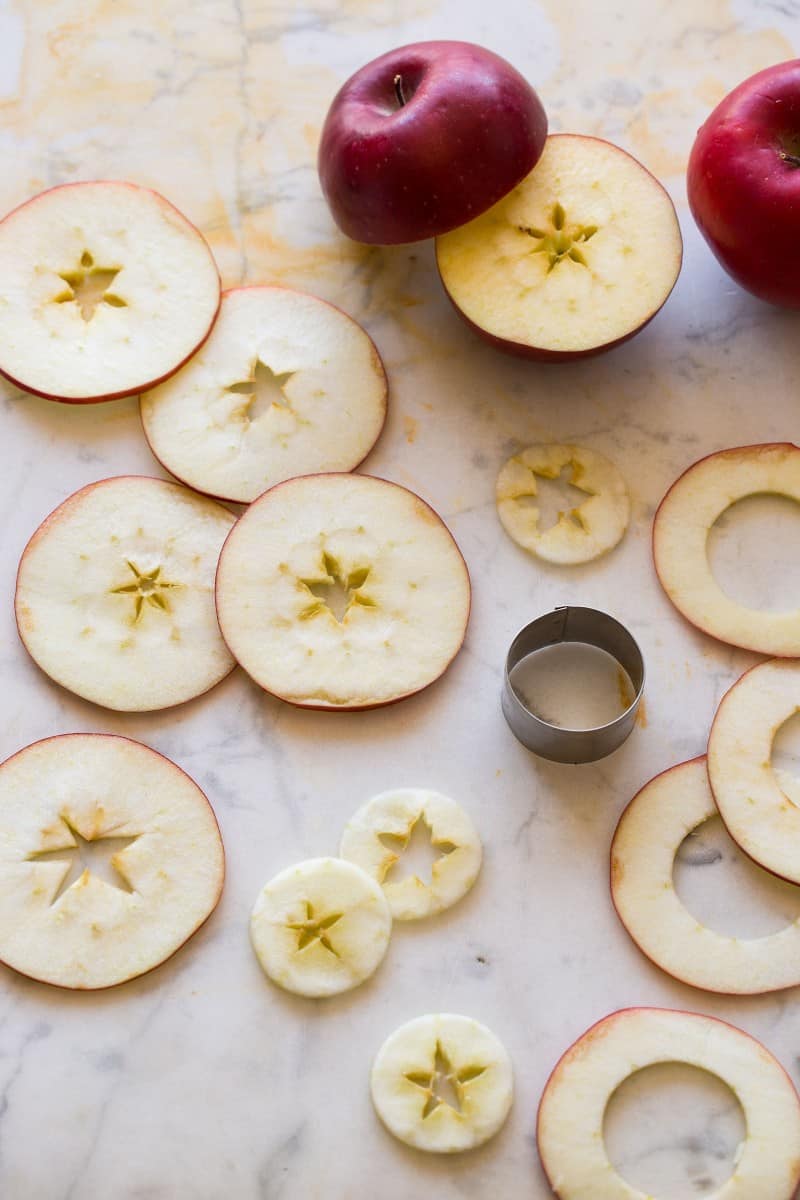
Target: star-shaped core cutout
{"x": 148, "y": 587}
{"x": 264, "y": 390}
{"x": 443, "y": 1085}
{"x": 336, "y": 593}
{"x": 89, "y": 286}
{"x": 557, "y": 496}
{"x": 314, "y": 929}
{"x": 84, "y": 857}
{"x": 417, "y": 850}
{"x": 561, "y": 240}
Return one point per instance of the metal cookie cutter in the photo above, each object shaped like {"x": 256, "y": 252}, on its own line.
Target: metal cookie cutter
{"x": 572, "y": 624}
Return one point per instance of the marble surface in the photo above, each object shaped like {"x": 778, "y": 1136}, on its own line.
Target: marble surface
{"x": 201, "y": 1080}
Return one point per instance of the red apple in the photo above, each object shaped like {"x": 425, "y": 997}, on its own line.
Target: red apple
{"x": 425, "y": 138}
{"x": 744, "y": 183}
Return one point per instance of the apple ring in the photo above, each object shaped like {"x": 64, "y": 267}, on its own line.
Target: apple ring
{"x": 680, "y": 537}
{"x": 570, "y": 1122}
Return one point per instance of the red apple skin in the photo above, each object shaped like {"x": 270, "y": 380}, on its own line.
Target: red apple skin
{"x": 470, "y": 129}
{"x": 744, "y": 183}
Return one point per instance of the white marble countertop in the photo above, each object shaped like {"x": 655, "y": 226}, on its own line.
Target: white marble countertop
{"x": 201, "y": 1080}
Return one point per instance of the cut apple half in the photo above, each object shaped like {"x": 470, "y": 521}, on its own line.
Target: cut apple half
{"x": 342, "y": 591}
{"x": 321, "y": 927}
{"x": 442, "y": 1083}
{"x": 111, "y": 858}
{"x": 591, "y": 528}
{"x": 576, "y": 259}
{"x": 377, "y": 835}
{"x": 648, "y": 837}
{"x": 286, "y": 385}
{"x": 570, "y": 1123}
{"x": 680, "y": 543}
{"x": 115, "y": 594}
{"x": 105, "y": 289}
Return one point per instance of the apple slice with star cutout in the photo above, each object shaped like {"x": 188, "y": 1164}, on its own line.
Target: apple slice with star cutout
{"x": 111, "y": 858}
{"x": 576, "y": 259}
{"x": 115, "y": 594}
{"x": 105, "y": 289}
{"x": 286, "y": 385}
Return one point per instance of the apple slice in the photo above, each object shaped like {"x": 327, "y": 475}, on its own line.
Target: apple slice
{"x": 570, "y": 1124}
{"x": 342, "y": 591}
{"x": 442, "y": 1083}
{"x": 648, "y": 837}
{"x": 376, "y": 836}
{"x": 114, "y": 595}
{"x": 105, "y": 290}
{"x": 321, "y": 927}
{"x": 576, "y": 259}
{"x": 286, "y": 385}
{"x": 680, "y": 537}
{"x": 591, "y": 529}
{"x": 110, "y": 860}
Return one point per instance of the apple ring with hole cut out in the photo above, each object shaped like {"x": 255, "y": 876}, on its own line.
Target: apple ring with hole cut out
{"x": 342, "y": 591}
{"x": 680, "y": 538}
{"x": 115, "y": 594}
{"x": 648, "y": 837}
{"x": 321, "y": 927}
{"x": 570, "y": 1122}
{"x": 753, "y": 799}
{"x": 286, "y": 385}
{"x": 111, "y": 858}
{"x": 105, "y": 290}
{"x": 442, "y": 1083}
{"x": 376, "y": 836}
{"x": 591, "y": 528}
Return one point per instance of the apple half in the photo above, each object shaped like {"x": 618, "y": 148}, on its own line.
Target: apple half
{"x": 576, "y": 259}
{"x": 286, "y": 385}
{"x": 570, "y": 1123}
{"x": 648, "y": 837}
{"x": 159, "y": 847}
{"x": 342, "y": 591}
{"x": 105, "y": 289}
{"x": 115, "y": 594}
{"x": 680, "y": 543}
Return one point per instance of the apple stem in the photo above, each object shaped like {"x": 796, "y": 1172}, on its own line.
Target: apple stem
{"x": 792, "y": 159}
{"x": 398, "y": 90}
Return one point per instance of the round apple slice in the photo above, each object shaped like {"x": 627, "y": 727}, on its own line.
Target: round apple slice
{"x": 110, "y": 860}
{"x": 680, "y": 538}
{"x": 648, "y": 837}
{"x": 105, "y": 289}
{"x": 576, "y": 259}
{"x": 342, "y": 591}
{"x": 377, "y": 835}
{"x": 570, "y": 1124}
{"x": 590, "y": 529}
{"x": 320, "y": 927}
{"x": 115, "y": 595}
{"x": 286, "y": 385}
{"x": 442, "y": 1083}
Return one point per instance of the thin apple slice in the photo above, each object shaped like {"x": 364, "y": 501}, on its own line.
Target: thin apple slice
{"x": 105, "y": 290}
{"x": 648, "y": 837}
{"x": 442, "y": 1083}
{"x": 115, "y": 594}
{"x": 73, "y": 916}
{"x": 570, "y": 1124}
{"x": 376, "y": 836}
{"x": 592, "y": 528}
{"x": 680, "y": 540}
{"x": 321, "y": 927}
{"x": 342, "y": 591}
{"x": 576, "y": 259}
{"x": 286, "y": 385}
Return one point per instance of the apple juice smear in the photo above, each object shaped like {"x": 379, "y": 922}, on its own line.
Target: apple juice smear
{"x": 573, "y": 685}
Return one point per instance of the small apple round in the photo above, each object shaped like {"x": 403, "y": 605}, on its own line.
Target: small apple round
{"x": 425, "y": 138}
{"x": 744, "y": 183}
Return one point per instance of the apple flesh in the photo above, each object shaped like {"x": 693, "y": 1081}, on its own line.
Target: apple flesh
{"x": 424, "y": 138}
{"x": 744, "y": 183}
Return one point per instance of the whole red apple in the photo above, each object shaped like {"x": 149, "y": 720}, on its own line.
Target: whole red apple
{"x": 744, "y": 183}
{"x": 425, "y": 138}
